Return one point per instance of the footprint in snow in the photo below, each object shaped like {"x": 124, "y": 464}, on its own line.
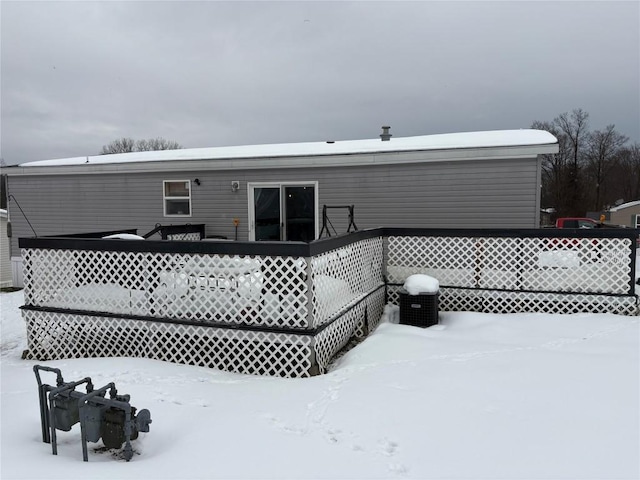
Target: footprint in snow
{"x": 388, "y": 447}
{"x": 283, "y": 427}
{"x": 165, "y": 399}
{"x": 332, "y": 436}
{"x": 398, "y": 469}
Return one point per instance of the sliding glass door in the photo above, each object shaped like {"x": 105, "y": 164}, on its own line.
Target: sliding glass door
{"x": 283, "y": 211}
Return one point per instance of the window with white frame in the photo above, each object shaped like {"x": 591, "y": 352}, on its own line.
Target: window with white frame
{"x": 177, "y": 198}
{"x": 637, "y": 220}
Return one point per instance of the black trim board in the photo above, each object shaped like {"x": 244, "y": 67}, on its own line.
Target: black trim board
{"x": 298, "y": 249}
{"x": 175, "y": 321}
{"x": 302, "y": 249}
{"x": 507, "y": 290}
{"x": 224, "y": 247}
{"x": 632, "y": 233}
{"x": 228, "y": 326}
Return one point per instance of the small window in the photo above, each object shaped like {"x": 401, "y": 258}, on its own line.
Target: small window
{"x": 177, "y": 198}
{"x": 638, "y": 220}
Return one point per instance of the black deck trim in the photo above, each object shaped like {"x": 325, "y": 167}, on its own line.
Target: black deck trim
{"x": 507, "y": 290}
{"x": 206, "y": 323}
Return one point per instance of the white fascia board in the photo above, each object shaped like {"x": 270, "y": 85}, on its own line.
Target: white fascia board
{"x": 311, "y": 161}
{"x": 624, "y": 206}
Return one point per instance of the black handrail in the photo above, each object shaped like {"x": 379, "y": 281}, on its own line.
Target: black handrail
{"x": 317, "y": 247}
{"x": 10, "y": 197}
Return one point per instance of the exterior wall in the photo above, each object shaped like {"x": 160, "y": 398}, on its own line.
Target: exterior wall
{"x": 5, "y": 258}
{"x": 625, "y": 216}
{"x": 462, "y": 194}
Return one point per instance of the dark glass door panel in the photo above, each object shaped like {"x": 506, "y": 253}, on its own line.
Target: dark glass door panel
{"x": 300, "y": 221}
{"x": 267, "y": 213}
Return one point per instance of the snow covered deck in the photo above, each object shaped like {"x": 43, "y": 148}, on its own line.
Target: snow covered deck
{"x": 287, "y": 308}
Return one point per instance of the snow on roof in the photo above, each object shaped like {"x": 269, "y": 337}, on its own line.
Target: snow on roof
{"x": 625, "y": 205}
{"x": 496, "y": 138}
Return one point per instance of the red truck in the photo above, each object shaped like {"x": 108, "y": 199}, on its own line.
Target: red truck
{"x": 578, "y": 222}
{"x": 583, "y": 222}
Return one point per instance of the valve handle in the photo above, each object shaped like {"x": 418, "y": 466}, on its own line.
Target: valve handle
{"x": 143, "y": 419}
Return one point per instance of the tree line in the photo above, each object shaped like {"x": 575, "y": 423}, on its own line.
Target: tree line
{"x": 126, "y": 145}
{"x": 592, "y": 171}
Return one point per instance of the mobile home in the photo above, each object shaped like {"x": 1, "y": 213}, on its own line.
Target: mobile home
{"x": 278, "y": 191}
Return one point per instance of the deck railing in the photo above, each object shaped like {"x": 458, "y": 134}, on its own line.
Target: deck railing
{"x": 507, "y": 271}
{"x": 258, "y": 307}
{"x": 286, "y": 308}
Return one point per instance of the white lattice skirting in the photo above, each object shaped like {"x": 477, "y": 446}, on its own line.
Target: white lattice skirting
{"x": 59, "y": 335}
{"x": 265, "y": 315}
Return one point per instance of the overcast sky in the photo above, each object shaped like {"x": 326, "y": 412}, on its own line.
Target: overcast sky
{"x": 77, "y": 75}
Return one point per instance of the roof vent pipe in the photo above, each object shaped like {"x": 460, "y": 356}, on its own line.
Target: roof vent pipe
{"x": 385, "y": 136}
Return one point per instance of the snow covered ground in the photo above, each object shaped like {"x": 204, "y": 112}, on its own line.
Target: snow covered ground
{"x": 528, "y": 396}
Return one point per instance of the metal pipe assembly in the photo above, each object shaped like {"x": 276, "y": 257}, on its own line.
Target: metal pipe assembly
{"x": 113, "y": 419}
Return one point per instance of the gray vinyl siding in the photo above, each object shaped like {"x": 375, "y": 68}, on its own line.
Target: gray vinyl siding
{"x": 475, "y": 194}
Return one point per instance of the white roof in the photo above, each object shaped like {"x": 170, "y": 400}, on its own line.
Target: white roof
{"x": 625, "y": 205}
{"x": 496, "y": 138}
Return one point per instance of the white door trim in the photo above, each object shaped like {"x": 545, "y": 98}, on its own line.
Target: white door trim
{"x": 251, "y": 199}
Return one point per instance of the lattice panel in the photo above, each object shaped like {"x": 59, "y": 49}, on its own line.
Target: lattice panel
{"x": 487, "y": 301}
{"x": 449, "y": 259}
{"x": 341, "y": 277}
{"x": 234, "y": 289}
{"x": 374, "y": 305}
{"x": 589, "y": 265}
{"x": 375, "y": 308}
{"x": 286, "y": 293}
{"x": 53, "y": 336}
{"x": 586, "y": 265}
{"x": 43, "y": 269}
{"x": 269, "y": 291}
{"x": 101, "y": 281}
{"x": 506, "y": 302}
{"x": 452, "y": 300}
{"x": 330, "y": 340}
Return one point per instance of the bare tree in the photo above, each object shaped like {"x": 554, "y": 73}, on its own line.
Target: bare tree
{"x": 625, "y": 173}
{"x": 125, "y": 145}
{"x": 575, "y": 127}
{"x": 591, "y": 169}
{"x": 121, "y": 145}
{"x": 554, "y": 170}
{"x": 156, "y": 144}
{"x": 603, "y": 148}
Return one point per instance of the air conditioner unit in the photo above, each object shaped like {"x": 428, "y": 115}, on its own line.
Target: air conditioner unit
{"x": 418, "y": 310}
